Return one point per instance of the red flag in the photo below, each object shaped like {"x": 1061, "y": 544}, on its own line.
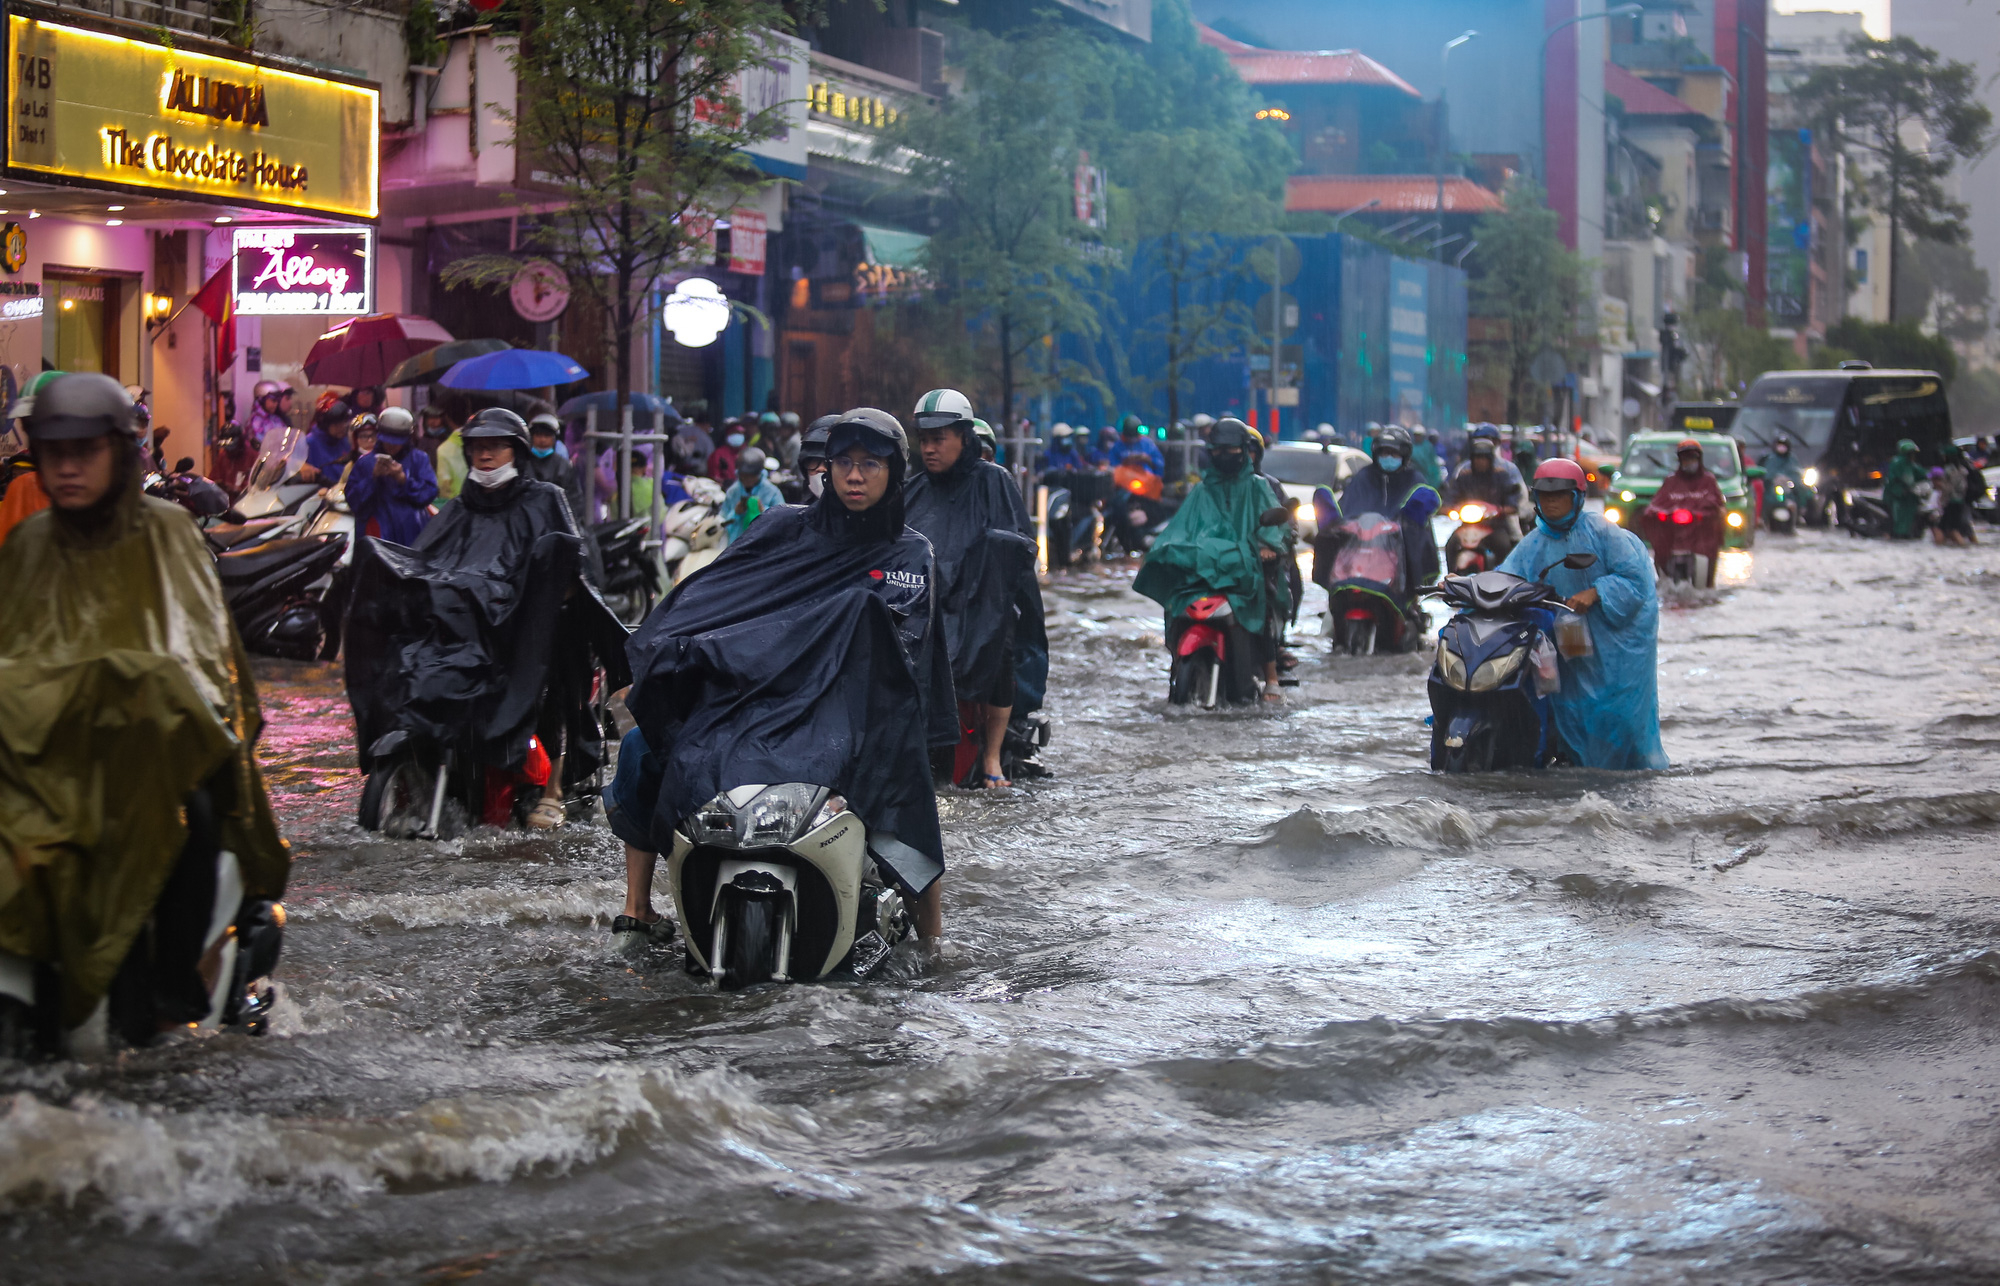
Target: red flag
{"x": 219, "y": 303}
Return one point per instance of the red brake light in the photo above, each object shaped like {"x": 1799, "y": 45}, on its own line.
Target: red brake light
{"x": 1684, "y": 516}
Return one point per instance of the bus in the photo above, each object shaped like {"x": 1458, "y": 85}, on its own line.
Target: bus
{"x": 1845, "y": 424}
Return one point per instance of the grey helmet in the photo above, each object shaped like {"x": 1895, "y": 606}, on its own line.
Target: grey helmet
{"x": 497, "y": 422}
{"x": 81, "y": 404}
{"x": 812, "y": 447}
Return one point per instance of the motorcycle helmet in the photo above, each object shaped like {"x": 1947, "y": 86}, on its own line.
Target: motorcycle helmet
{"x": 984, "y": 432}
{"x": 1486, "y": 432}
{"x": 941, "y": 408}
{"x": 1783, "y": 444}
{"x": 1483, "y": 446}
{"x": 789, "y": 421}
{"x": 1559, "y": 475}
{"x": 264, "y": 389}
{"x": 497, "y": 422}
{"x": 812, "y": 447}
{"x": 1686, "y": 445}
{"x": 1419, "y": 433}
{"x": 1130, "y": 427}
{"x": 81, "y": 404}
{"x": 1392, "y": 440}
{"x": 395, "y": 420}
{"x": 1202, "y": 423}
{"x": 1061, "y": 434}
{"x": 877, "y": 431}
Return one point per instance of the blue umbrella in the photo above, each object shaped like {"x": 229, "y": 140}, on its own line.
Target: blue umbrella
{"x": 513, "y": 368}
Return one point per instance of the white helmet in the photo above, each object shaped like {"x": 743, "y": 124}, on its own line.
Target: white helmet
{"x": 942, "y": 408}
{"x": 396, "y": 421}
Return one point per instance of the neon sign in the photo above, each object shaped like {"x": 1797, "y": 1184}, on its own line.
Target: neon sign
{"x": 304, "y": 271}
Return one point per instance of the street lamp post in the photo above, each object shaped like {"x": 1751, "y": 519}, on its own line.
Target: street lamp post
{"x": 1542, "y": 77}
{"x": 1444, "y": 64}
{"x": 1369, "y": 204}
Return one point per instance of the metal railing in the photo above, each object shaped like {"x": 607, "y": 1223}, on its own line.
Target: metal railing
{"x": 206, "y": 19}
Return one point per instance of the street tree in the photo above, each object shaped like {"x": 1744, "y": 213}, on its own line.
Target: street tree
{"x": 1911, "y": 115}
{"x": 998, "y": 155}
{"x": 1523, "y": 278}
{"x": 631, "y": 116}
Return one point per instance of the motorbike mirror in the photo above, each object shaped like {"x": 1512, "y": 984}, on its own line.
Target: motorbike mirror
{"x": 1580, "y": 561}
{"x": 1275, "y": 516}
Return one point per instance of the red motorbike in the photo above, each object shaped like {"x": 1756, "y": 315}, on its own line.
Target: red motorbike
{"x": 1212, "y": 656}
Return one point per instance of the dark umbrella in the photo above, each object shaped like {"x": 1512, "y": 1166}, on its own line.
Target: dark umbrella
{"x": 364, "y": 351}
{"x": 427, "y": 366}
{"x": 515, "y": 368}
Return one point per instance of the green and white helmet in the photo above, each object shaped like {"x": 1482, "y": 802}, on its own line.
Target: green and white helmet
{"x": 943, "y": 408}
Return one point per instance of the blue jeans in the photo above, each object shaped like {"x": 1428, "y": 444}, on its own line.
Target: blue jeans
{"x": 634, "y": 793}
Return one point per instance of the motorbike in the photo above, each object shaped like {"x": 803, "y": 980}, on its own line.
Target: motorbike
{"x": 276, "y": 590}
{"x": 631, "y": 567}
{"x": 1212, "y": 659}
{"x": 1496, "y": 669}
{"x": 1865, "y": 514}
{"x": 1678, "y": 534}
{"x": 1366, "y": 609}
{"x": 1784, "y": 507}
{"x": 1476, "y": 545}
{"x": 245, "y": 933}
{"x": 781, "y": 883}
{"x": 416, "y": 790}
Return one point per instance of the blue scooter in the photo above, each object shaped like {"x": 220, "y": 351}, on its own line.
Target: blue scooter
{"x": 1496, "y": 667}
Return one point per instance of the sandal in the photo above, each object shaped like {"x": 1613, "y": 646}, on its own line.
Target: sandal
{"x": 547, "y": 814}
{"x": 994, "y": 781}
{"x": 631, "y": 935}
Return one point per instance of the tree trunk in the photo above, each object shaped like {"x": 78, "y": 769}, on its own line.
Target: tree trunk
{"x": 1006, "y": 372}
{"x": 1895, "y": 233}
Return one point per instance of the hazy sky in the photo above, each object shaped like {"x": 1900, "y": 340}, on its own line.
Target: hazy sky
{"x": 1874, "y": 13}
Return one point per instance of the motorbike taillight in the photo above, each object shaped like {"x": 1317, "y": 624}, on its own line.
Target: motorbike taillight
{"x": 1684, "y": 517}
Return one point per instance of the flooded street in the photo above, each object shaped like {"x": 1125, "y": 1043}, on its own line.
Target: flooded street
{"x": 1231, "y": 997}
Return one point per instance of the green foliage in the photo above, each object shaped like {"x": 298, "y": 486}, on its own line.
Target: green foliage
{"x": 1944, "y": 286}
{"x": 998, "y": 159}
{"x": 629, "y": 111}
{"x": 1913, "y": 115}
{"x": 420, "y": 34}
{"x": 1894, "y": 344}
{"x": 1522, "y": 276}
{"x": 1729, "y": 354}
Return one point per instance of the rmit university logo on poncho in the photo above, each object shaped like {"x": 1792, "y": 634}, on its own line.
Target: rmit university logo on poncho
{"x": 901, "y": 580}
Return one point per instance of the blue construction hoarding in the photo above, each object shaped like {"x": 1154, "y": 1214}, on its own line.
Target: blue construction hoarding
{"x": 1378, "y": 337}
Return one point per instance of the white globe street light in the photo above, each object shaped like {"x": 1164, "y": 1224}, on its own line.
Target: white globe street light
{"x": 696, "y": 312}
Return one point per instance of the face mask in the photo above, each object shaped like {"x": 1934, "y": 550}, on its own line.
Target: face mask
{"x": 499, "y": 477}
{"x": 816, "y": 483}
{"x": 1690, "y": 467}
{"x": 542, "y": 453}
{"x": 1389, "y": 463}
{"x": 735, "y": 439}
{"x": 1229, "y": 465}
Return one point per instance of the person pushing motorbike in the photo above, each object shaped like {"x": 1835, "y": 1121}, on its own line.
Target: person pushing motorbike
{"x": 121, "y": 666}
{"x": 1608, "y": 709}
{"x": 988, "y": 594}
{"x": 1220, "y": 542}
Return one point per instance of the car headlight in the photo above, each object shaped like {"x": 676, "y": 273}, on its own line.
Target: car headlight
{"x": 1451, "y": 665}
{"x": 1735, "y": 519}
{"x": 1810, "y": 477}
{"x": 1627, "y": 496}
{"x": 1611, "y": 514}
{"x": 1492, "y": 674}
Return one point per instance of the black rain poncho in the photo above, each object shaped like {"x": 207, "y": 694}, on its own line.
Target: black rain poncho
{"x": 123, "y": 689}
{"x": 809, "y": 651}
{"x": 989, "y": 597}
{"x": 462, "y": 635}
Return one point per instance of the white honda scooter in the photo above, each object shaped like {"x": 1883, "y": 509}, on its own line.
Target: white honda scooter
{"x": 781, "y": 883}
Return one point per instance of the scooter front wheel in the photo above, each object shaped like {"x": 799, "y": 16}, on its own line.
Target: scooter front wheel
{"x": 396, "y": 793}
{"x": 749, "y": 949}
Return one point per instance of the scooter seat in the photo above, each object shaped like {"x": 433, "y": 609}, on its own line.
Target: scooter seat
{"x": 244, "y": 565}
{"x": 228, "y": 535}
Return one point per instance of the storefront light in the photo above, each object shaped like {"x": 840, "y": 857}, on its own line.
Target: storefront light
{"x": 223, "y": 218}
{"x": 114, "y": 223}
{"x": 114, "y": 208}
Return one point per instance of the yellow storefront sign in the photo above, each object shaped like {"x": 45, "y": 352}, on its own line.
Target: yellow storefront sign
{"x": 100, "y": 108}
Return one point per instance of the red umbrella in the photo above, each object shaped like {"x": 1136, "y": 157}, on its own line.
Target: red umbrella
{"x": 366, "y": 349}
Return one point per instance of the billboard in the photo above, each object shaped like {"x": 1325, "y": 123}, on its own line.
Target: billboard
{"x": 1788, "y": 229}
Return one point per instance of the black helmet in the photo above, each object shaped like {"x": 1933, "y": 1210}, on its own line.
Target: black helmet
{"x": 878, "y": 431}
{"x": 81, "y": 404}
{"x": 1783, "y": 442}
{"x": 1227, "y": 433}
{"x": 1393, "y": 438}
{"x": 1483, "y": 446}
{"x": 812, "y": 447}
{"x": 1130, "y": 424}
{"x": 497, "y": 422}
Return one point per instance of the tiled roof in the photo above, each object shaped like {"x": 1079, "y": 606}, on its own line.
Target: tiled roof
{"x": 1305, "y": 67}
{"x": 1397, "y": 194}
{"x": 1643, "y": 98}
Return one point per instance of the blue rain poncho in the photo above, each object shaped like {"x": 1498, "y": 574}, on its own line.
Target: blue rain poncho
{"x": 1608, "y": 711}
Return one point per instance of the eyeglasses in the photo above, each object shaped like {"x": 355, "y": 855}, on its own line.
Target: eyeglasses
{"x": 869, "y": 466}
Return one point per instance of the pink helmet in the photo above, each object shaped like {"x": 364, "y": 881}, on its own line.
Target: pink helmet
{"x": 1559, "y": 475}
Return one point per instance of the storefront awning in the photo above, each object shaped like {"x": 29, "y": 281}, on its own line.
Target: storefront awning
{"x": 892, "y": 249}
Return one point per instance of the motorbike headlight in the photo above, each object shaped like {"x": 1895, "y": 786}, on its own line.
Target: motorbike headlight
{"x": 1735, "y": 519}
{"x": 1627, "y": 496}
{"x": 780, "y": 814}
{"x": 1471, "y": 513}
{"x": 1611, "y": 514}
{"x": 713, "y": 823}
{"x": 1451, "y": 665}
{"x": 1492, "y": 674}
{"x": 1810, "y": 477}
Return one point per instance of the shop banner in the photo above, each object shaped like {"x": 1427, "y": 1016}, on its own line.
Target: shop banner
{"x": 1409, "y": 339}
{"x": 747, "y": 234}
{"x": 103, "y": 109}
{"x": 304, "y": 271}
{"x": 1788, "y": 228}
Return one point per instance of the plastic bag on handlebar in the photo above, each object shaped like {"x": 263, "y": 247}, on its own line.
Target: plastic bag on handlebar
{"x": 1548, "y": 672}
{"x": 1573, "y": 635}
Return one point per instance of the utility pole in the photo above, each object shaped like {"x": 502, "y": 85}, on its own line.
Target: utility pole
{"x": 1444, "y": 67}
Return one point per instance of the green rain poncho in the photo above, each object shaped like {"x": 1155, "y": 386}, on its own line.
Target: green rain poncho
{"x": 123, "y": 687}
{"x": 1899, "y": 490}
{"x": 1210, "y": 547}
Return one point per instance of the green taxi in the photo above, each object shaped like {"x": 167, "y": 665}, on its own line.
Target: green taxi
{"x": 1650, "y": 457}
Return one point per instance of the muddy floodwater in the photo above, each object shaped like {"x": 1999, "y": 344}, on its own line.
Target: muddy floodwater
{"x": 1229, "y": 998}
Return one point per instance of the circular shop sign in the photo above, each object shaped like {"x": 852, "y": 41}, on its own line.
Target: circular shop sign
{"x": 13, "y": 247}
{"x": 540, "y": 291}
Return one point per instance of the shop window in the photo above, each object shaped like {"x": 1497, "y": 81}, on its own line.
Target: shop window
{"x": 84, "y": 323}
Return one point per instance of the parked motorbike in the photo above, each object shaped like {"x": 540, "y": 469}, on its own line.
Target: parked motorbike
{"x": 1864, "y": 514}
{"x": 630, "y": 558}
{"x": 275, "y": 589}
{"x": 1477, "y": 545}
{"x": 1368, "y": 609}
{"x": 780, "y": 883}
{"x": 1496, "y": 669}
{"x": 1212, "y": 657}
